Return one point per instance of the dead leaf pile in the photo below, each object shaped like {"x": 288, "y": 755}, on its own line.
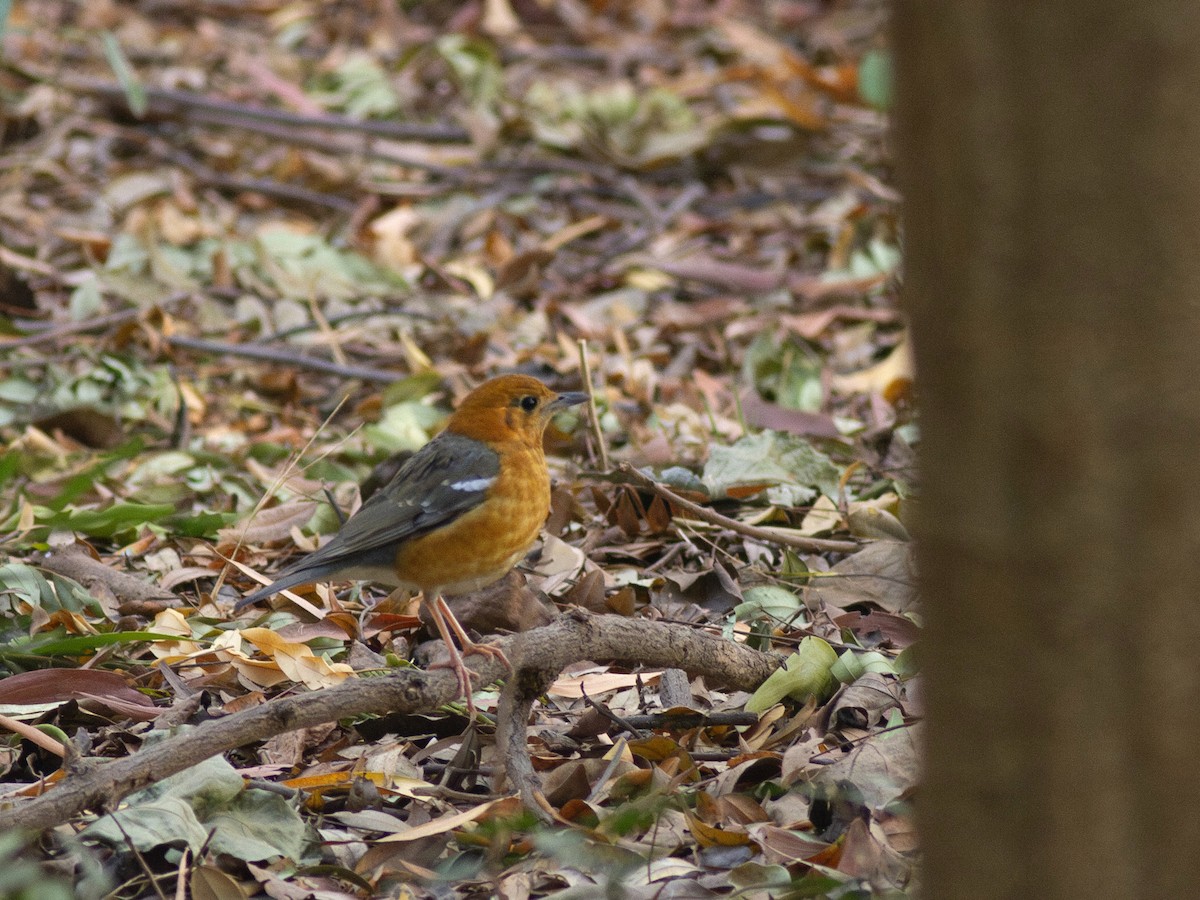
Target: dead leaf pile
{"x": 252, "y": 254}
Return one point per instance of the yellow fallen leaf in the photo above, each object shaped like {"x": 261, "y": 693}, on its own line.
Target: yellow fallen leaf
{"x": 648, "y": 279}
{"x": 442, "y": 824}
{"x": 876, "y": 522}
{"x": 297, "y": 661}
{"x": 716, "y": 836}
{"x": 259, "y": 672}
{"x": 392, "y": 246}
{"x": 824, "y": 516}
{"x": 329, "y": 781}
{"x": 171, "y": 621}
{"x": 891, "y": 377}
{"x": 473, "y": 274}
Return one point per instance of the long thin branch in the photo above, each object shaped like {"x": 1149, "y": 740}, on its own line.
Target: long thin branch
{"x": 550, "y": 649}
{"x": 204, "y": 108}
{"x": 704, "y": 514}
{"x": 286, "y": 356}
{"x": 64, "y": 330}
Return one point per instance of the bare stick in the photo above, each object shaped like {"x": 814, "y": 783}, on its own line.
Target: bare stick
{"x": 281, "y": 355}
{"x": 164, "y": 101}
{"x": 65, "y": 330}
{"x": 585, "y": 370}
{"x": 537, "y": 654}
{"x": 704, "y": 514}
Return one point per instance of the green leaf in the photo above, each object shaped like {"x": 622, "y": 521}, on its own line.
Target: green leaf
{"x": 200, "y": 525}
{"x": 21, "y": 391}
{"x": 358, "y": 86}
{"x": 208, "y": 799}
{"x": 109, "y": 522}
{"x": 875, "y": 79}
{"x": 852, "y": 665}
{"x": 301, "y": 265}
{"x": 10, "y": 465}
{"x": 151, "y": 824}
{"x": 908, "y": 663}
{"x": 77, "y": 645}
{"x": 257, "y": 825}
{"x": 23, "y": 876}
{"x": 770, "y": 601}
{"x": 806, "y": 673}
{"x": 135, "y": 92}
{"x": 405, "y": 426}
{"x": 757, "y": 875}
{"x": 84, "y": 481}
{"x": 794, "y": 568}
{"x": 785, "y": 370}
{"x": 816, "y": 885}
{"x": 86, "y": 300}
{"x": 71, "y": 596}
{"x": 784, "y": 462}
{"x": 475, "y": 66}
{"x": 24, "y": 583}
{"x": 411, "y": 388}
{"x": 681, "y": 479}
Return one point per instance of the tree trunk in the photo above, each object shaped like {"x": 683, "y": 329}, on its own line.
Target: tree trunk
{"x": 1050, "y": 158}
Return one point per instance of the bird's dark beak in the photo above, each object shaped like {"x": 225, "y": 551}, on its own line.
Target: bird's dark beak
{"x": 565, "y": 399}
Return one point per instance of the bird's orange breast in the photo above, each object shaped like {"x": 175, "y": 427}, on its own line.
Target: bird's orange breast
{"x": 483, "y": 544}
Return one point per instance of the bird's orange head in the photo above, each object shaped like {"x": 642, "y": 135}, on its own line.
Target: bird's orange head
{"x": 510, "y": 408}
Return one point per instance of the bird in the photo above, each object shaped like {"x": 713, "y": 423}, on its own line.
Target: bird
{"x": 458, "y": 515}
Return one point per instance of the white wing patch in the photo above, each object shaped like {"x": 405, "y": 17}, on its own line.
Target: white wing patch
{"x": 473, "y": 484}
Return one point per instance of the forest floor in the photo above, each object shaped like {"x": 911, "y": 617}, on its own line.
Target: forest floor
{"x": 252, "y": 254}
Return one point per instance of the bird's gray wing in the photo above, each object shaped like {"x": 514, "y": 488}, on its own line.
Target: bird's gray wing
{"x": 445, "y": 479}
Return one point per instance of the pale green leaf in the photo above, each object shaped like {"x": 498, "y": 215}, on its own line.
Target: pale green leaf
{"x": 773, "y": 459}
{"x": 806, "y": 673}
{"x": 768, "y": 600}
{"x": 852, "y": 665}
{"x": 875, "y": 79}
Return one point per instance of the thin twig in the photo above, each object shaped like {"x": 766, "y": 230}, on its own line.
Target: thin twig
{"x": 142, "y": 864}
{"x": 265, "y": 186}
{"x": 615, "y": 758}
{"x": 704, "y": 514}
{"x": 346, "y": 144}
{"x": 199, "y": 107}
{"x": 614, "y": 718}
{"x": 286, "y": 356}
{"x": 99, "y": 323}
{"x": 593, "y": 416}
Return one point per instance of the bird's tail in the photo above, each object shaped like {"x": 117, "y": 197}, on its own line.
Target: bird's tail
{"x": 286, "y": 579}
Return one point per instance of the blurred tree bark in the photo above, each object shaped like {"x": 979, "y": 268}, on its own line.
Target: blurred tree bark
{"x": 1050, "y": 158}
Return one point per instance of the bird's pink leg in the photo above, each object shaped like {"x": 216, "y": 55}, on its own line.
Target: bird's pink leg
{"x": 449, "y": 628}
{"x": 469, "y": 646}
{"x": 455, "y": 663}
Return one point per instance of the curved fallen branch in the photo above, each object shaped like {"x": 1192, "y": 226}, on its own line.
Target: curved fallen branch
{"x": 537, "y": 655}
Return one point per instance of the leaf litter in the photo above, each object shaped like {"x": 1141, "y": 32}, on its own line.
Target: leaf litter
{"x": 253, "y": 256}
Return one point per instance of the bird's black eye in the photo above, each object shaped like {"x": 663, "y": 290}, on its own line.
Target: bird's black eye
{"x": 529, "y": 403}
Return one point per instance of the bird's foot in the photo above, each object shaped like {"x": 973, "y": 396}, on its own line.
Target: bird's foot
{"x": 464, "y": 675}
{"x": 486, "y": 650}
{"x": 450, "y": 630}
{"x": 461, "y": 673}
